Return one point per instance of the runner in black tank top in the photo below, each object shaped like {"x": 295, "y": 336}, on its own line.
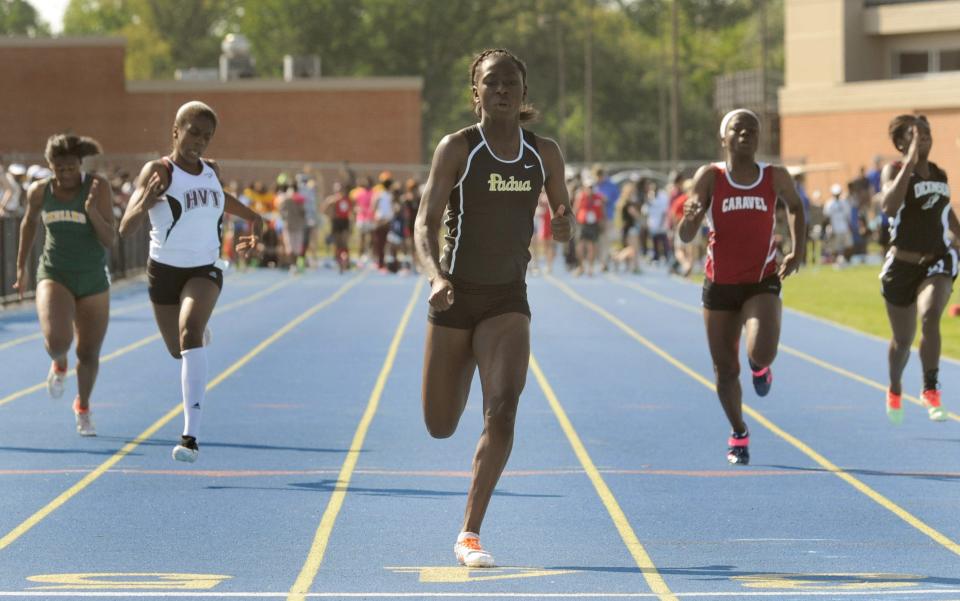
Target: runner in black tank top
{"x": 487, "y": 179}
{"x": 73, "y": 284}
{"x": 490, "y": 212}
{"x": 917, "y": 277}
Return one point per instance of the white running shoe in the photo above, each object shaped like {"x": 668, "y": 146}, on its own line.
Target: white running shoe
{"x": 207, "y": 337}
{"x": 55, "y": 379}
{"x": 85, "y": 425}
{"x": 187, "y": 450}
{"x": 470, "y": 553}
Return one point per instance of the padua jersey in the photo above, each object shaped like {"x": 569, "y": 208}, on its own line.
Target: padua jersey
{"x": 186, "y": 225}
{"x": 490, "y": 212}
{"x": 742, "y": 219}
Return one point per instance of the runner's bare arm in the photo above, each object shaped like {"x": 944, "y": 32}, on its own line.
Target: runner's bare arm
{"x": 152, "y": 181}
{"x": 696, "y": 206}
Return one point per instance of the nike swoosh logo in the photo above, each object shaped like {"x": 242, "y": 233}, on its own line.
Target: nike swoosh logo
{"x": 525, "y": 166}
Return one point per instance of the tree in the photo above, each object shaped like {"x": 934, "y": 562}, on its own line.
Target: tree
{"x": 161, "y": 35}
{"x": 193, "y": 29}
{"x": 437, "y": 39}
{"x": 97, "y": 17}
{"x": 331, "y": 29}
{"x": 19, "y": 17}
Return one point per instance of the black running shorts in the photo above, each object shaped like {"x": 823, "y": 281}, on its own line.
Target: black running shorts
{"x": 590, "y": 232}
{"x": 165, "y": 283}
{"x": 900, "y": 280}
{"x": 473, "y": 303}
{"x": 730, "y": 297}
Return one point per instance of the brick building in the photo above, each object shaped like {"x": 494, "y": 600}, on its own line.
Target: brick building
{"x": 851, "y": 66}
{"x": 78, "y": 84}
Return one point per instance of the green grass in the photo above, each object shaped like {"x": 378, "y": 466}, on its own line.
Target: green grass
{"x": 851, "y": 297}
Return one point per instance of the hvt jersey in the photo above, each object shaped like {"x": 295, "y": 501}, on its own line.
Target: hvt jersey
{"x": 490, "y": 213}
{"x": 186, "y": 224}
{"x": 921, "y": 223}
{"x": 742, "y": 219}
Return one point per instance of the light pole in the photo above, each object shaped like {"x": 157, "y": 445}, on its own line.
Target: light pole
{"x": 675, "y": 96}
{"x": 588, "y": 89}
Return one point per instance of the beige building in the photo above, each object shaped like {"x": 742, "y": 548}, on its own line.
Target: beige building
{"x": 851, "y": 66}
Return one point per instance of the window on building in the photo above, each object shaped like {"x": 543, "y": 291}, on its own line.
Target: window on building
{"x": 950, "y": 60}
{"x": 912, "y": 63}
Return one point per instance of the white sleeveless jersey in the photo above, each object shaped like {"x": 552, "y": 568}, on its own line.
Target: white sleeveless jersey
{"x": 186, "y": 224}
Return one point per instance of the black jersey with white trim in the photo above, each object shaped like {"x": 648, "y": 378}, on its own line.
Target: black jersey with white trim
{"x": 921, "y": 223}
{"x": 490, "y": 213}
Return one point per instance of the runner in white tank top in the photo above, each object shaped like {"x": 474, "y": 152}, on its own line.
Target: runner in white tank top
{"x": 185, "y": 225}
{"x": 185, "y": 201}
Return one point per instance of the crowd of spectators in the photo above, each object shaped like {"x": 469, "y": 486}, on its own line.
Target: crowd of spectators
{"x": 308, "y": 227}
{"x": 621, "y": 225}
{"x": 847, "y": 226}
{"x": 624, "y": 222}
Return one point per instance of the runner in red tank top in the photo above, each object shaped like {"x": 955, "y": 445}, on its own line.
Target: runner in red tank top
{"x": 589, "y": 211}
{"x": 741, "y": 247}
{"x": 742, "y": 286}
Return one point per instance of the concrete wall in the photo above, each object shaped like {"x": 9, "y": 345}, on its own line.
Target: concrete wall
{"x": 77, "y": 84}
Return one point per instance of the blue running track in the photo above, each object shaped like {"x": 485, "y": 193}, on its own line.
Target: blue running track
{"x": 317, "y": 479}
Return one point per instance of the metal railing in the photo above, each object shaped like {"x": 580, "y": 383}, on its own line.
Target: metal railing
{"x": 127, "y": 257}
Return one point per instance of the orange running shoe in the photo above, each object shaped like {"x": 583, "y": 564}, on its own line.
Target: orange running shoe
{"x": 931, "y": 400}
{"x": 470, "y": 553}
{"x": 894, "y": 408}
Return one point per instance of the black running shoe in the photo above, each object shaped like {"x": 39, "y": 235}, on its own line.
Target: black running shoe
{"x": 738, "y": 451}
{"x": 762, "y": 380}
{"x": 187, "y": 450}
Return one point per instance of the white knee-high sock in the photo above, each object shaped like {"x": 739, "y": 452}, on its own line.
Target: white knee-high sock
{"x": 193, "y": 379}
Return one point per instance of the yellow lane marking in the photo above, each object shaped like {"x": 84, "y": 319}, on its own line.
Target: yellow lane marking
{"x": 829, "y": 581}
{"x": 38, "y": 336}
{"x": 787, "y": 349}
{"x": 459, "y": 574}
{"x": 318, "y": 548}
{"x": 127, "y": 581}
{"x": 20, "y": 340}
{"x": 795, "y": 442}
{"x": 640, "y": 556}
{"x": 147, "y": 340}
{"x": 251, "y": 473}
{"x": 87, "y": 480}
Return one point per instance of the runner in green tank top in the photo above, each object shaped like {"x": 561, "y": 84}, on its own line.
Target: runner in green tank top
{"x": 73, "y": 283}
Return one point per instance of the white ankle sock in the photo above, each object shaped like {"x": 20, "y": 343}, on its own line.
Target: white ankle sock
{"x": 193, "y": 379}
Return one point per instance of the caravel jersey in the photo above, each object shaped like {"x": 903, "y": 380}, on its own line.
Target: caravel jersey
{"x": 490, "y": 213}
{"x": 921, "y": 223}
{"x": 742, "y": 219}
{"x": 186, "y": 225}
